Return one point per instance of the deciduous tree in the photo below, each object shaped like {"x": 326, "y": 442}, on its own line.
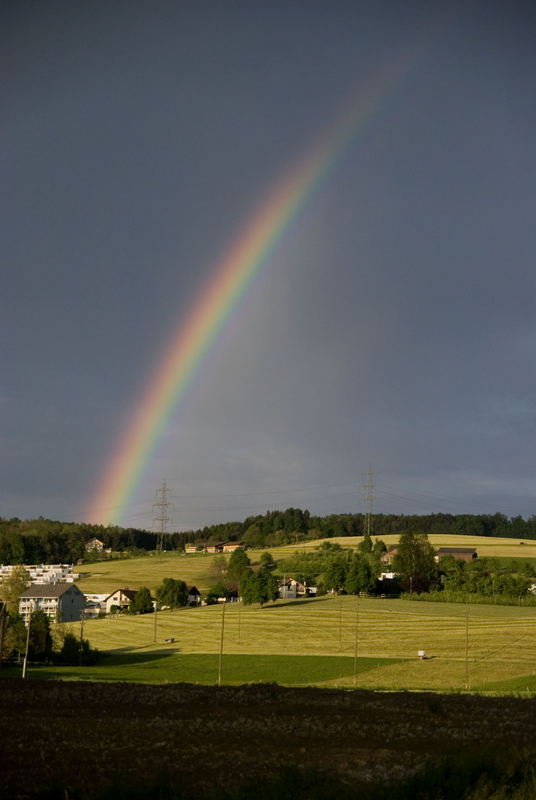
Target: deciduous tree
{"x": 13, "y": 585}
{"x": 415, "y": 562}
{"x": 172, "y": 593}
{"x": 360, "y": 577}
{"x": 258, "y": 587}
{"x": 335, "y": 572}
{"x": 14, "y": 641}
{"x": 238, "y": 564}
{"x": 267, "y": 561}
{"x": 142, "y": 603}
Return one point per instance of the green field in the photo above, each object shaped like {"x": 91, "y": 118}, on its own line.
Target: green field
{"x": 149, "y": 570}
{"x": 313, "y": 641}
{"x": 270, "y": 643}
{"x": 175, "y": 667}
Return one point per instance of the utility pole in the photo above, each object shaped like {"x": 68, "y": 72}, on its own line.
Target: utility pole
{"x": 2, "y": 625}
{"x": 220, "y": 660}
{"x": 369, "y": 497}
{"x": 81, "y": 647}
{"x": 467, "y": 647}
{"x": 161, "y": 519}
{"x": 32, "y": 609}
{"x": 356, "y": 638}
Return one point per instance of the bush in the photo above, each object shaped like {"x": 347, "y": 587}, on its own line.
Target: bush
{"x": 75, "y": 652}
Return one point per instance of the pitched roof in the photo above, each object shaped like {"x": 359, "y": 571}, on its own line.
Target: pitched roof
{"x": 289, "y": 580}
{"x": 130, "y": 593}
{"x": 447, "y": 550}
{"x": 48, "y": 590}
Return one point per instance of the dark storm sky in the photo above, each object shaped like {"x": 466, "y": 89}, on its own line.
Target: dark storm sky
{"x": 394, "y": 325}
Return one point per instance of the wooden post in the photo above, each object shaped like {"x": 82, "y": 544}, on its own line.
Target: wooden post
{"x": 27, "y": 642}
{"x": 356, "y": 637}
{"x": 2, "y": 625}
{"x": 466, "y": 647}
{"x": 221, "y": 644}
{"x": 81, "y": 639}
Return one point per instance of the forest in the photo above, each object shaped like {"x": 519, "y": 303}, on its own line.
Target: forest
{"x": 47, "y": 541}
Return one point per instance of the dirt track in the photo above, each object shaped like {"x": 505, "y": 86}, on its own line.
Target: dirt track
{"x": 79, "y": 735}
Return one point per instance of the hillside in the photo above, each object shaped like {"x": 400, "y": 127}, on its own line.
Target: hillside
{"x": 195, "y": 569}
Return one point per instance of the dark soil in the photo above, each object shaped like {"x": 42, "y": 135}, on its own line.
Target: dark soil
{"x": 81, "y": 736}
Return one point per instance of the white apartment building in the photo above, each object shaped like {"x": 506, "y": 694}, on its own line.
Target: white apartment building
{"x": 61, "y": 602}
{"x": 43, "y": 573}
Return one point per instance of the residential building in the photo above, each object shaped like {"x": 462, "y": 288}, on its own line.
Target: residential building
{"x": 290, "y": 589}
{"x": 389, "y": 554}
{"x": 61, "y": 602}
{"x": 230, "y": 547}
{"x": 94, "y": 544}
{"x": 459, "y": 553}
{"x": 213, "y": 547}
{"x": 121, "y": 598}
{"x": 194, "y": 596}
{"x": 43, "y": 573}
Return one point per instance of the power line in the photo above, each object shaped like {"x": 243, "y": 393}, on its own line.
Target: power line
{"x": 262, "y": 492}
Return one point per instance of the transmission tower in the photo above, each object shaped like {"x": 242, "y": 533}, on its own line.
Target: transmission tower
{"x": 161, "y": 519}
{"x": 369, "y": 497}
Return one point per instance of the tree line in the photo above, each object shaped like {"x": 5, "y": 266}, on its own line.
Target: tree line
{"x": 417, "y": 574}
{"x": 284, "y": 527}
{"x": 43, "y": 541}
{"x": 52, "y": 542}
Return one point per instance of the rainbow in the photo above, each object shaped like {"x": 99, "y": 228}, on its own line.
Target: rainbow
{"x": 231, "y": 277}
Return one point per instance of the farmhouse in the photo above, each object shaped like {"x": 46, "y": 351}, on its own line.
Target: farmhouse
{"x": 459, "y": 553}
{"x": 194, "y": 597}
{"x": 230, "y": 547}
{"x": 121, "y": 598}
{"x": 388, "y": 555}
{"x": 290, "y": 589}
{"x": 61, "y": 602}
{"x": 213, "y": 547}
{"x": 94, "y": 544}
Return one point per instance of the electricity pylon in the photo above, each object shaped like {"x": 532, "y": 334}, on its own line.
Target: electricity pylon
{"x": 161, "y": 508}
{"x": 369, "y": 497}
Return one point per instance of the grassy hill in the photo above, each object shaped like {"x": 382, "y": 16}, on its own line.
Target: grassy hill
{"x": 501, "y": 644}
{"x": 195, "y": 569}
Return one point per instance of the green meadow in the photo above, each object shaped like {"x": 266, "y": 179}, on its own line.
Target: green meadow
{"x": 314, "y": 641}
{"x": 149, "y": 570}
{"x": 173, "y": 666}
{"x": 484, "y": 648}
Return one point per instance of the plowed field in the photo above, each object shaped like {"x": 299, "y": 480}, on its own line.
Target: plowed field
{"x": 78, "y": 736}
